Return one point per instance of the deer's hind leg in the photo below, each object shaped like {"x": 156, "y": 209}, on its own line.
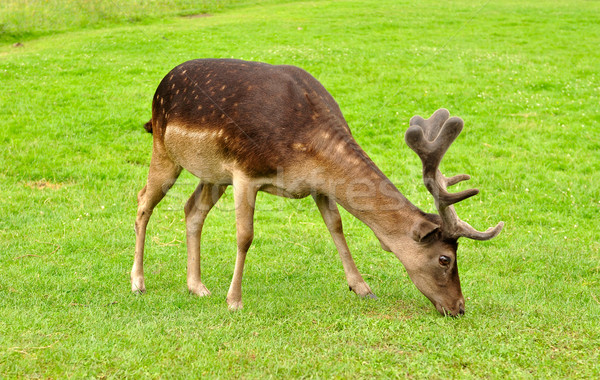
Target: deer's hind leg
{"x": 196, "y": 209}
{"x": 162, "y": 175}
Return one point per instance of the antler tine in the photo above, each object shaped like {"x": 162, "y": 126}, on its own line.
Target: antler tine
{"x": 430, "y": 139}
{"x": 432, "y": 125}
{"x": 471, "y": 233}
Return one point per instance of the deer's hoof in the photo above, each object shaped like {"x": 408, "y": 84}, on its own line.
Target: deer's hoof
{"x": 137, "y": 285}
{"x": 235, "y": 305}
{"x": 363, "y": 290}
{"x": 371, "y": 295}
{"x": 199, "y": 289}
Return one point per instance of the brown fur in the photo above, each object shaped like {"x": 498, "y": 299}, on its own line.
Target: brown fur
{"x": 148, "y": 126}
{"x": 276, "y": 129}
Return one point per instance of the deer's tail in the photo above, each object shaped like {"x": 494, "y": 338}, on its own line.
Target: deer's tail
{"x": 148, "y": 126}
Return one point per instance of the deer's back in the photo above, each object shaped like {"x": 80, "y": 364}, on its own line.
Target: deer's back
{"x": 260, "y": 117}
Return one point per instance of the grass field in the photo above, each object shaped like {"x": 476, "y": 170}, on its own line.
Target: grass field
{"x": 524, "y": 75}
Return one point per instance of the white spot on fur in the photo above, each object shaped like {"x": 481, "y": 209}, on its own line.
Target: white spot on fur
{"x": 299, "y": 147}
{"x": 340, "y": 148}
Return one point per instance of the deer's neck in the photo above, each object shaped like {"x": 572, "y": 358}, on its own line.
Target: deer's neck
{"x": 365, "y": 192}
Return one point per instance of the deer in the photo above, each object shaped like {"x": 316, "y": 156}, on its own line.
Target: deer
{"x": 276, "y": 129}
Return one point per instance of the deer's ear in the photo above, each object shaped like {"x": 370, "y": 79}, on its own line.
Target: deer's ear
{"x": 424, "y": 231}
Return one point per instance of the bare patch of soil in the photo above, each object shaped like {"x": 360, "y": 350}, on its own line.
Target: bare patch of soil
{"x": 43, "y": 184}
{"x": 198, "y": 15}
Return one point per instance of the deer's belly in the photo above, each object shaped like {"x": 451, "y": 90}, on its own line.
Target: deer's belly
{"x": 198, "y": 152}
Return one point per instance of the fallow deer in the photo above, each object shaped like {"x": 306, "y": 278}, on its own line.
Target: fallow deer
{"x": 262, "y": 127}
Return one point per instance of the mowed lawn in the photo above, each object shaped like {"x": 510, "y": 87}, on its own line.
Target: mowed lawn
{"x": 525, "y": 77}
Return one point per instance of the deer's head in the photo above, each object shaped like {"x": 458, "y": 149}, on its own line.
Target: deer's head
{"x": 434, "y": 269}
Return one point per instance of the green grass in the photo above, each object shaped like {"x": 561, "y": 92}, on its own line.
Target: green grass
{"x": 26, "y": 19}
{"x": 73, "y": 154}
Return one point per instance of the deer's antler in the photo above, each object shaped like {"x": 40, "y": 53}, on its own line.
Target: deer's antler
{"x": 430, "y": 139}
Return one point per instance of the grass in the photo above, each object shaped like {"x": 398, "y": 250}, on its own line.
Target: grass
{"x": 28, "y": 19}
{"x": 73, "y": 154}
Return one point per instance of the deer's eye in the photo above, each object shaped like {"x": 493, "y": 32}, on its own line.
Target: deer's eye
{"x": 445, "y": 261}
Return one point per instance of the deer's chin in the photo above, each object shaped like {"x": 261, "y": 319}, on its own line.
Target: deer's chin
{"x": 455, "y": 311}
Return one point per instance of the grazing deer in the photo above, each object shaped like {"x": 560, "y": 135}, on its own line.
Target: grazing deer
{"x": 276, "y": 129}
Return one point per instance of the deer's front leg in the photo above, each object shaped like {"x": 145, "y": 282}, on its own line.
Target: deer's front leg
{"x": 333, "y": 221}
{"x": 196, "y": 209}
{"x": 245, "y": 197}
